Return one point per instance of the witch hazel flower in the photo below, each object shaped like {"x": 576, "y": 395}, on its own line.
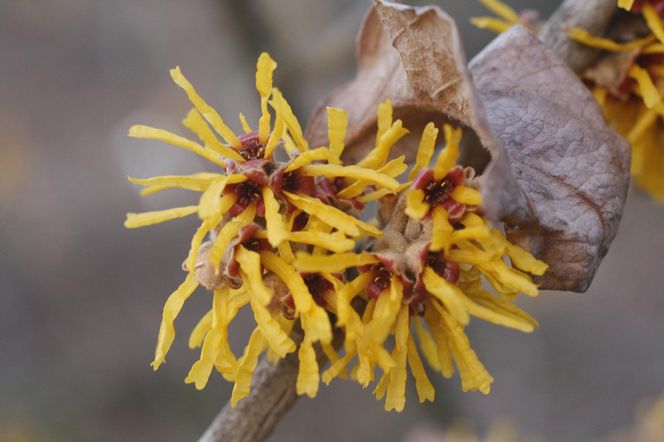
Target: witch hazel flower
{"x": 425, "y": 277}
{"x": 256, "y": 210}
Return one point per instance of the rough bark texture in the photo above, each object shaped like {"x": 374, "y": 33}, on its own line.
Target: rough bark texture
{"x": 254, "y": 417}
{"x": 591, "y": 15}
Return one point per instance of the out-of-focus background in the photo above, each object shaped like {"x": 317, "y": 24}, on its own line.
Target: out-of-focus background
{"x": 81, "y": 298}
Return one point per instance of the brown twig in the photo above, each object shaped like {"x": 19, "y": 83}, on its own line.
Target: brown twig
{"x": 254, "y": 417}
{"x": 591, "y": 15}
{"x": 273, "y": 390}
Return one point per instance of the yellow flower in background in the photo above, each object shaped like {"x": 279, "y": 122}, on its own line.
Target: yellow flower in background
{"x": 634, "y": 107}
{"x": 505, "y": 18}
{"x": 285, "y": 240}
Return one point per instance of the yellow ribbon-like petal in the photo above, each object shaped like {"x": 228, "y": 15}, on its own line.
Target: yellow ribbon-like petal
{"x": 337, "y": 124}
{"x": 171, "y": 311}
{"x": 135, "y": 220}
{"x": 153, "y": 133}
{"x": 208, "y": 112}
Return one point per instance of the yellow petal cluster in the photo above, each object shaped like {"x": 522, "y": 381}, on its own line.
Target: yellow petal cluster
{"x": 285, "y": 240}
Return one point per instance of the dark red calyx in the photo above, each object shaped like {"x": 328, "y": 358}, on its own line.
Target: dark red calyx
{"x": 317, "y": 286}
{"x": 380, "y": 280}
{"x": 446, "y": 269}
{"x": 252, "y": 148}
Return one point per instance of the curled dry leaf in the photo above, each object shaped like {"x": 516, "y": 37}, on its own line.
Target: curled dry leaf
{"x": 571, "y": 167}
{"x": 558, "y": 175}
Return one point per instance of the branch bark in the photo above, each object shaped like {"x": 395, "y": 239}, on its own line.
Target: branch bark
{"x": 273, "y": 390}
{"x": 254, "y": 417}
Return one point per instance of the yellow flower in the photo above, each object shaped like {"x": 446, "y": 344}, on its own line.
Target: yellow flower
{"x": 635, "y": 107}
{"x": 506, "y": 17}
{"x": 283, "y": 242}
{"x": 256, "y": 209}
{"x": 431, "y": 288}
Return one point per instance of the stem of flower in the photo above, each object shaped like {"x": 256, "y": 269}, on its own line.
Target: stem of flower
{"x": 255, "y": 416}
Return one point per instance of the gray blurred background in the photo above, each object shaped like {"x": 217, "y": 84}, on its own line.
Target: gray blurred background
{"x": 81, "y": 297}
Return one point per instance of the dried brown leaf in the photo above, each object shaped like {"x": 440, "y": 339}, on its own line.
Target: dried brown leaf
{"x": 561, "y": 178}
{"x": 414, "y": 57}
{"x": 572, "y": 170}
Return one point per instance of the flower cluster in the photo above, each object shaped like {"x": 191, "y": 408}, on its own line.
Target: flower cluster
{"x": 287, "y": 239}
{"x": 629, "y": 86}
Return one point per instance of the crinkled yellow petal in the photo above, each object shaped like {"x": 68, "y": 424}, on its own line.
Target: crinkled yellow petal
{"x": 135, "y": 220}
{"x": 226, "y": 362}
{"x": 425, "y": 150}
{"x": 647, "y": 88}
{"x": 301, "y": 160}
{"x": 246, "y": 366}
{"x": 308, "y": 378}
{"x": 655, "y": 48}
{"x": 443, "y": 352}
{"x": 502, "y": 10}
{"x": 346, "y": 294}
{"x": 277, "y": 339}
{"x": 252, "y": 274}
{"x": 275, "y": 137}
{"x": 195, "y": 123}
{"x": 245, "y": 124}
{"x": 354, "y": 172}
{"x": 210, "y": 115}
{"x": 448, "y": 294}
{"x": 378, "y": 194}
{"x": 316, "y": 324}
{"x": 625, "y": 4}
{"x": 276, "y": 226}
{"x": 337, "y": 124}
{"x": 336, "y": 242}
{"x": 585, "y": 37}
{"x": 378, "y": 156}
{"x": 396, "y": 391}
{"x": 337, "y": 367}
{"x": 199, "y": 332}
{"x": 196, "y": 240}
{"x": 153, "y": 133}
{"x": 264, "y": 70}
{"x": 393, "y": 168}
{"x": 287, "y": 273}
{"x": 416, "y": 207}
{"x": 384, "y": 118}
{"x": 284, "y": 110}
{"x": 332, "y": 216}
{"x": 201, "y": 370}
{"x": 337, "y": 262}
{"x": 197, "y": 182}
{"x": 385, "y": 313}
{"x": 427, "y": 345}
{"x": 522, "y": 259}
{"x": 448, "y": 157}
{"x": 474, "y": 376}
{"x": 425, "y": 391}
{"x": 381, "y": 387}
{"x": 491, "y": 24}
{"x": 229, "y": 231}
{"x": 477, "y": 233}
{"x": 442, "y": 231}
{"x": 653, "y": 21}
{"x": 467, "y": 195}
{"x": 171, "y": 311}
{"x": 211, "y": 201}
{"x": 517, "y": 281}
